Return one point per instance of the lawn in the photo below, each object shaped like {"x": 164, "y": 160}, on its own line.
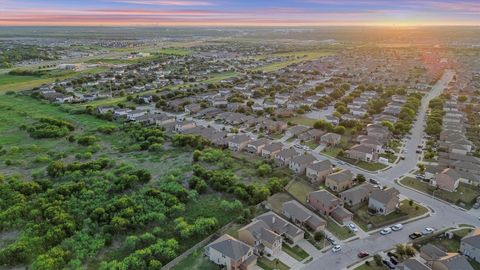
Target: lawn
{"x": 196, "y": 261}
{"x": 296, "y": 252}
{"x": 271, "y": 265}
{"x": 312, "y": 144}
{"x": 301, "y": 120}
{"x": 299, "y": 190}
{"x": 391, "y": 157}
{"x": 465, "y": 193}
{"x": 18, "y": 83}
{"x": 299, "y": 57}
{"x": 369, "y": 166}
{"x": 175, "y": 51}
{"x": 362, "y": 216}
{"x": 448, "y": 245}
{"x": 332, "y": 151}
{"x": 341, "y": 232}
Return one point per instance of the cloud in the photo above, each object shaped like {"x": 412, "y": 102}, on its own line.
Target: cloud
{"x": 165, "y": 3}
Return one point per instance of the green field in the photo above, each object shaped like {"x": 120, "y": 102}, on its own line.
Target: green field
{"x": 18, "y": 83}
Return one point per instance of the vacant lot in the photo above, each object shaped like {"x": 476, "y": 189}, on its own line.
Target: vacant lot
{"x": 299, "y": 190}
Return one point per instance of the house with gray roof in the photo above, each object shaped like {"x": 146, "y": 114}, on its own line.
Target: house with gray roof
{"x": 318, "y": 171}
{"x": 470, "y": 245}
{"x": 299, "y": 163}
{"x": 357, "y": 195}
{"x": 282, "y": 227}
{"x": 300, "y": 215}
{"x": 284, "y": 156}
{"x": 231, "y": 253}
{"x": 261, "y": 237}
{"x": 430, "y": 253}
{"x": 384, "y": 201}
{"x": 452, "y": 261}
{"x": 412, "y": 264}
{"x": 271, "y": 150}
{"x": 238, "y": 142}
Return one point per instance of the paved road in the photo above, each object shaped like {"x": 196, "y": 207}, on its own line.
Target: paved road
{"x": 443, "y": 215}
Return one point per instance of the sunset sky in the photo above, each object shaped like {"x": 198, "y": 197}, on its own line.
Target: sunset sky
{"x": 238, "y": 12}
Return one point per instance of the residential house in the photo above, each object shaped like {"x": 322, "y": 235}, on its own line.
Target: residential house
{"x": 412, "y": 264}
{"x": 470, "y": 245}
{"x": 357, "y": 195}
{"x": 238, "y": 142}
{"x": 342, "y": 215}
{"x": 231, "y": 253}
{"x": 193, "y": 108}
{"x": 181, "y": 126}
{"x": 271, "y": 150}
{"x": 328, "y": 204}
{"x": 296, "y": 130}
{"x": 282, "y": 227}
{"x": 331, "y": 139}
{"x": 362, "y": 152}
{"x": 384, "y": 201}
{"x": 255, "y": 147}
{"x": 339, "y": 181}
{"x": 263, "y": 239}
{"x": 300, "y": 215}
{"x": 452, "y": 261}
{"x": 133, "y": 115}
{"x": 318, "y": 171}
{"x": 431, "y": 253}
{"x": 284, "y": 156}
{"x": 379, "y": 131}
{"x": 299, "y": 163}
{"x": 447, "y": 180}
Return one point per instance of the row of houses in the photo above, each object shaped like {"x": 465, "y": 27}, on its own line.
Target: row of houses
{"x": 369, "y": 146}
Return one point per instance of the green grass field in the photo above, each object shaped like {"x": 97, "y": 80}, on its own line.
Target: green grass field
{"x": 299, "y": 190}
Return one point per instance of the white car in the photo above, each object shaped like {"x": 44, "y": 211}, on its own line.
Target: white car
{"x": 397, "y": 227}
{"x": 428, "y": 230}
{"x": 352, "y": 227}
{"x": 336, "y": 248}
{"x": 386, "y": 231}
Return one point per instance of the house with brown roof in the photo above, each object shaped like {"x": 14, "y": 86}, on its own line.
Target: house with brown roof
{"x": 271, "y": 150}
{"x": 300, "y": 215}
{"x": 330, "y": 139}
{"x": 431, "y": 253}
{"x": 231, "y": 253}
{"x": 318, "y": 171}
{"x": 447, "y": 180}
{"x": 339, "y": 181}
{"x": 357, "y": 195}
{"x": 299, "y": 163}
{"x": 328, "y": 204}
{"x": 255, "y": 147}
{"x": 384, "y": 201}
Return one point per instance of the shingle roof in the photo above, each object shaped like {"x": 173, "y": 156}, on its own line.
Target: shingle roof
{"x": 433, "y": 251}
{"x": 341, "y": 176}
{"x": 300, "y": 212}
{"x": 473, "y": 238}
{"x": 320, "y": 166}
{"x": 455, "y": 261}
{"x": 280, "y": 225}
{"x": 384, "y": 195}
{"x": 304, "y": 159}
{"x": 230, "y": 247}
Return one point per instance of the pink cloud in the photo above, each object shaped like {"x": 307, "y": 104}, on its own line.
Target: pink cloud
{"x": 165, "y": 3}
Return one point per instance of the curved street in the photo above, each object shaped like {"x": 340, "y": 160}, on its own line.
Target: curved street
{"x": 443, "y": 215}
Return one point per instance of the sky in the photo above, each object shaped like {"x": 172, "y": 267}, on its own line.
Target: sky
{"x": 238, "y": 12}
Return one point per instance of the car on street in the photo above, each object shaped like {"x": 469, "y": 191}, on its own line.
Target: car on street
{"x": 363, "y": 254}
{"x": 336, "y": 248}
{"x": 386, "y": 231}
{"x": 402, "y": 157}
{"x": 342, "y": 162}
{"x": 299, "y": 146}
{"x": 331, "y": 240}
{"x": 373, "y": 181}
{"x": 397, "y": 227}
{"x": 415, "y": 235}
{"x": 428, "y": 230}
{"x": 352, "y": 227}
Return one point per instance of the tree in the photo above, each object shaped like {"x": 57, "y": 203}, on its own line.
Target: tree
{"x": 264, "y": 169}
{"x": 410, "y": 251}
{"x": 360, "y": 178}
{"x": 462, "y": 98}
{"x": 421, "y": 167}
{"x": 377, "y": 259}
{"x": 401, "y": 249}
{"x": 339, "y": 130}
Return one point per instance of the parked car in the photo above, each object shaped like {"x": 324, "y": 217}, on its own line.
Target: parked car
{"x": 352, "y": 227}
{"x": 415, "y": 235}
{"x": 428, "y": 230}
{"x": 388, "y": 264}
{"x": 393, "y": 260}
{"x": 391, "y": 254}
{"x": 476, "y": 205}
{"x": 363, "y": 254}
{"x": 336, "y": 248}
{"x": 397, "y": 227}
{"x": 386, "y": 231}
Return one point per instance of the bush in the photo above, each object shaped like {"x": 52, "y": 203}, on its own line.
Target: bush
{"x": 87, "y": 140}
